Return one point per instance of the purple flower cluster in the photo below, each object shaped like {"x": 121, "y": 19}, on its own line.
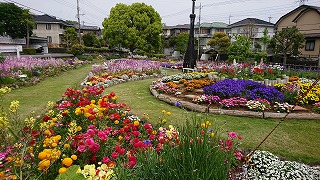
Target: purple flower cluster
{"x": 243, "y": 88}
{"x": 136, "y": 65}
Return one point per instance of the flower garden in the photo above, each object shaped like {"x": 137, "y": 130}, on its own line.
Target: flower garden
{"x": 89, "y": 135}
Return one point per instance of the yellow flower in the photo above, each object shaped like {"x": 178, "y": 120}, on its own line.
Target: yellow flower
{"x": 212, "y": 134}
{"x": 120, "y": 138}
{"x": 44, "y": 164}
{"x": 66, "y": 146}
{"x": 164, "y": 120}
{"x": 169, "y": 113}
{"x": 42, "y": 155}
{"x": 116, "y": 122}
{"x": 74, "y": 157}
{"x": 67, "y": 162}
{"x": 62, "y": 170}
{"x": 203, "y": 125}
{"x": 79, "y": 128}
{"x": 163, "y": 111}
{"x": 136, "y": 123}
{"x": 14, "y": 106}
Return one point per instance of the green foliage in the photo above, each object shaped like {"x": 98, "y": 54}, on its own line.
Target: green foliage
{"x": 240, "y": 49}
{"x": 159, "y": 55}
{"x": 112, "y": 57}
{"x": 140, "y": 52}
{"x": 89, "y": 39}
{"x": 2, "y": 58}
{"x": 69, "y": 37}
{"x": 287, "y": 42}
{"x": 265, "y": 39}
{"x": 95, "y": 50}
{"x": 15, "y": 21}
{"x": 220, "y": 42}
{"x": 181, "y": 42}
{"x": 71, "y": 174}
{"x": 29, "y": 51}
{"x": 259, "y": 55}
{"x": 133, "y": 26}
{"x": 77, "y": 49}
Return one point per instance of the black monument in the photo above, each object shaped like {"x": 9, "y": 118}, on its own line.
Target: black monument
{"x": 189, "y": 58}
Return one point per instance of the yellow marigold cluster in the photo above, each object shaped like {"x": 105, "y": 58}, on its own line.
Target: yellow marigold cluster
{"x": 30, "y": 122}
{"x": 47, "y": 157}
{"x": 52, "y": 141}
{"x": 50, "y": 105}
{"x": 91, "y": 110}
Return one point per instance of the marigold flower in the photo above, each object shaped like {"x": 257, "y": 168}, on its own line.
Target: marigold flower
{"x": 74, "y": 157}
{"x": 66, "y": 146}
{"x": 164, "y": 120}
{"x": 62, "y": 170}
{"x": 116, "y": 122}
{"x": 136, "y": 123}
{"x": 67, "y": 162}
{"x": 44, "y": 164}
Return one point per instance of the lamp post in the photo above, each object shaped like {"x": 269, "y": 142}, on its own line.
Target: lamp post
{"x": 189, "y": 58}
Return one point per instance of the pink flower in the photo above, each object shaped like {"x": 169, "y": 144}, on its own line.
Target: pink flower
{"x": 102, "y": 136}
{"x": 94, "y": 148}
{"x": 228, "y": 143}
{"x": 81, "y": 148}
{"x": 136, "y": 133}
{"x": 105, "y": 160}
{"x": 89, "y": 141}
{"x": 238, "y": 155}
{"x": 202, "y": 132}
{"x": 114, "y": 155}
{"x": 239, "y": 137}
{"x": 232, "y": 134}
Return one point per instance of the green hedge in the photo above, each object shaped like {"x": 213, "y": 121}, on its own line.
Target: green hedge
{"x": 29, "y": 51}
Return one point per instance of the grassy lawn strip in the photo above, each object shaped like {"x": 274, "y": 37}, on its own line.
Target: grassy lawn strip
{"x": 35, "y": 98}
{"x": 294, "y": 139}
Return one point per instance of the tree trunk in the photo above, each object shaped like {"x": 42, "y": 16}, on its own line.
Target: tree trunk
{"x": 284, "y": 60}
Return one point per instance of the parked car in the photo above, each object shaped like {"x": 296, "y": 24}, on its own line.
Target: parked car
{"x": 39, "y": 48}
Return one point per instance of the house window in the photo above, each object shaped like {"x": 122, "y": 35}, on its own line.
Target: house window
{"x": 61, "y": 26}
{"x": 310, "y": 45}
{"x": 48, "y": 26}
{"x": 49, "y": 38}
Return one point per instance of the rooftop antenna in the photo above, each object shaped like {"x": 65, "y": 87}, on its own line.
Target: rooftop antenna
{"x": 301, "y": 2}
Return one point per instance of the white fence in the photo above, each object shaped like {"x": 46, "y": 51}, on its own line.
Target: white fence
{"x": 9, "y": 40}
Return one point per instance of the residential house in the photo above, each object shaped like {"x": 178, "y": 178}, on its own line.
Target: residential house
{"x": 207, "y": 30}
{"x": 84, "y": 29}
{"x": 252, "y": 28}
{"x": 51, "y": 28}
{"x": 175, "y": 30}
{"x": 307, "y": 20}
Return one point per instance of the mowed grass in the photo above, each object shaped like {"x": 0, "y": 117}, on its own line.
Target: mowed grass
{"x": 297, "y": 140}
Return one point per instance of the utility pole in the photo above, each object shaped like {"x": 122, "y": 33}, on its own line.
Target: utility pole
{"x": 270, "y": 17}
{"x": 78, "y": 16}
{"x": 199, "y": 55}
{"x": 230, "y": 18}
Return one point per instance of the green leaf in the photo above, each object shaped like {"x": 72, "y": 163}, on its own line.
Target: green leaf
{"x": 71, "y": 174}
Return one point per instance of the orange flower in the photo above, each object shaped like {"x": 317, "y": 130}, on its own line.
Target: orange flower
{"x": 62, "y": 170}
{"x": 67, "y": 162}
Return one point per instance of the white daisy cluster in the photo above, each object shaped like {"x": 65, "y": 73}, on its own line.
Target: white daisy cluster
{"x": 265, "y": 165}
{"x": 282, "y": 107}
{"x": 256, "y": 105}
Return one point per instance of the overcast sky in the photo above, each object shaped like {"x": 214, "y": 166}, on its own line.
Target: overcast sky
{"x": 173, "y": 12}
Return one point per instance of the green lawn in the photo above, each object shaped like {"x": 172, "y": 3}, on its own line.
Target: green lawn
{"x": 294, "y": 139}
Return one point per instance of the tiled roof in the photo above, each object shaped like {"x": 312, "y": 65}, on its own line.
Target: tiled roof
{"x": 254, "y": 21}
{"x": 214, "y": 25}
{"x": 84, "y": 27}
{"x": 179, "y": 26}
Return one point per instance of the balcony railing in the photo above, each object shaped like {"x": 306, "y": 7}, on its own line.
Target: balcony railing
{"x": 9, "y": 40}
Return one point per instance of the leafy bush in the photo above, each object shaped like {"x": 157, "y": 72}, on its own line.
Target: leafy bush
{"x": 259, "y": 55}
{"x": 77, "y": 49}
{"x": 29, "y": 51}
{"x": 159, "y": 55}
{"x": 1, "y": 58}
{"x": 243, "y": 88}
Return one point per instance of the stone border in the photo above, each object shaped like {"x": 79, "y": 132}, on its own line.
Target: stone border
{"x": 201, "y": 108}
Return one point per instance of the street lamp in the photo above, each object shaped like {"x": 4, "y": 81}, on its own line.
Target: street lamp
{"x": 189, "y": 58}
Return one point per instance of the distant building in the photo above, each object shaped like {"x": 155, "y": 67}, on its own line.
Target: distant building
{"x": 307, "y": 20}
{"x": 84, "y": 29}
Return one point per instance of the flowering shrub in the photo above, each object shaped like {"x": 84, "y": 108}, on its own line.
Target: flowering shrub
{"x": 243, "y": 88}
{"x": 164, "y": 88}
{"x": 265, "y": 165}
{"x": 206, "y": 99}
{"x": 258, "y": 105}
{"x": 233, "y": 102}
{"x": 316, "y": 107}
{"x": 282, "y": 107}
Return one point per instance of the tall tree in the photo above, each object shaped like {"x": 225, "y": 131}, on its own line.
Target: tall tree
{"x": 89, "y": 39}
{"x": 287, "y": 42}
{"x": 181, "y": 42}
{"x": 69, "y": 37}
{"x": 133, "y": 26}
{"x": 240, "y": 48}
{"x": 265, "y": 39}
{"x": 220, "y": 42}
{"x": 15, "y": 21}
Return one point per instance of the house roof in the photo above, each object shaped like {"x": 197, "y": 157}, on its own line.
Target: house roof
{"x": 214, "y": 25}
{"x": 317, "y": 9}
{"x": 85, "y": 27}
{"x": 48, "y": 19}
{"x": 179, "y": 26}
{"x": 296, "y": 9}
{"x": 254, "y": 21}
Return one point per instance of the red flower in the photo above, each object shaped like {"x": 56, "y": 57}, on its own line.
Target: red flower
{"x": 228, "y": 143}
{"x": 114, "y": 155}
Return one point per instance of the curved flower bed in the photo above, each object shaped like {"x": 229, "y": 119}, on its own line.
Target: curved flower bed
{"x": 121, "y": 70}
{"x": 96, "y": 134}
{"x": 20, "y": 71}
